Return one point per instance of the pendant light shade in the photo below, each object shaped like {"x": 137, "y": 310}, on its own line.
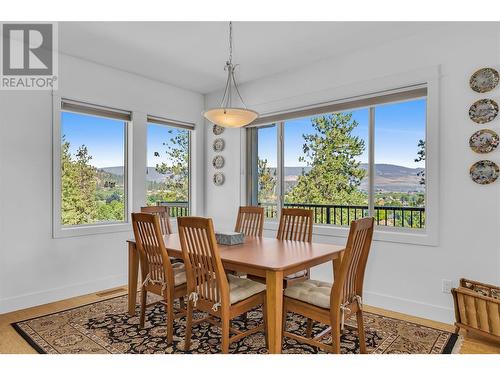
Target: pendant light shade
{"x": 231, "y": 117}
{"x": 226, "y": 114}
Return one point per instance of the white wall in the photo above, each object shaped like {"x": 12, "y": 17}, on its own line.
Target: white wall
{"x": 34, "y": 268}
{"x": 400, "y": 277}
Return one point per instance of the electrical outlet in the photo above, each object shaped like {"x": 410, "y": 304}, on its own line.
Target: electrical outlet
{"x": 446, "y": 286}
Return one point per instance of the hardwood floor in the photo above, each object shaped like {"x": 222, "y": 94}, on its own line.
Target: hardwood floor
{"x": 11, "y": 342}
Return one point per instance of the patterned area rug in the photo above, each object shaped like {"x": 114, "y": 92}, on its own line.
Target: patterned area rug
{"x": 106, "y": 327}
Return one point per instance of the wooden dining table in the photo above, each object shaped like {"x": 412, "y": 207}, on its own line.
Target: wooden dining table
{"x": 269, "y": 258}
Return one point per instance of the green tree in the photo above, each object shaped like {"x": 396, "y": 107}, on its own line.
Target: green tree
{"x": 177, "y": 182}
{"x": 330, "y": 151}
{"x": 267, "y": 182}
{"x": 421, "y": 157}
{"x": 78, "y": 186}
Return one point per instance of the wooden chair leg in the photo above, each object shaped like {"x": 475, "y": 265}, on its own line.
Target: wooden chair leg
{"x": 170, "y": 320}
{"x": 181, "y": 302}
{"x": 336, "y": 339}
{"x": 309, "y": 328}
{"x": 226, "y": 323}
{"x": 144, "y": 296}
{"x": 189, "y": 326}
{"x": 361, "y": 332}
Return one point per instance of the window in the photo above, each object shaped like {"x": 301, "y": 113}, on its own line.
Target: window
{"x": 345, "y": 161}
{"x": 168, "y": 165}
{"x": 92, "y": 165}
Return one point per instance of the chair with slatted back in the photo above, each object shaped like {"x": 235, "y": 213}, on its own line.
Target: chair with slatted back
{"x": 163, "y": 214}
{"x": 250, "y": 221}
{"x": 159, "y": 275}
{"x": 296, "y": 225}
{"x": 209, "y": 288}
{"x": 320, "y": 301}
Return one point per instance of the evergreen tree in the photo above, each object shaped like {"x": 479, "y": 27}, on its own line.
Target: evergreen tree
{"x": 335, "y": 174}
{"x": 177, "y": 181}
{"x": 267, "y": 182}
{"x": 421, "y": 157}
{"x": 78, "y": 187}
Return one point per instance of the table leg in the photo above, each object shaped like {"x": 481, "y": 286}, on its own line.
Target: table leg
{"x": 133, "y": 270}
{"x": 274, "y": 306}
{"x": 336, "y": 265}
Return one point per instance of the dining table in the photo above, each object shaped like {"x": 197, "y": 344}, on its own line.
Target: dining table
{"x": 268, "y": 258}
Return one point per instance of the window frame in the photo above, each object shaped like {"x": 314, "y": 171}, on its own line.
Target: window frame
{"x": 160, "y": 121}
{"x": 427, "y": 236}
{"x": 58, "y": 229}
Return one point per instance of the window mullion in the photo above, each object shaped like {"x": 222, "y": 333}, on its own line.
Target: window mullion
{"x": 371, "y": 162}
{"x": 281, "y": 169}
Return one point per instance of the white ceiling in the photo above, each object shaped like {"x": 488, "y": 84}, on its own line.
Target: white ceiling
{"x": 191, "y": 55}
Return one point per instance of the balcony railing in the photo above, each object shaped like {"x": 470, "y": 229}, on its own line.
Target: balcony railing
{"x": 395, "y": 216}
{"x": 179, "y": 208}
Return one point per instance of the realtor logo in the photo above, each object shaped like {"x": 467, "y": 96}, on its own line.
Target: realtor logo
{"x": 29, "y": 56}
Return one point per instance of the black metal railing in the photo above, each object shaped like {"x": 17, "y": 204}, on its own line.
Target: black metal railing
{"x": 395, "y": 216}
{"x": 178, "y": 208}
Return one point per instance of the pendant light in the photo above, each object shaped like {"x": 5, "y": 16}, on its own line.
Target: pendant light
{"x": 226, "y": 114}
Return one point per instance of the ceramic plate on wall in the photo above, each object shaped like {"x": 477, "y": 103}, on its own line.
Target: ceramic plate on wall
{"x": 219, "y": 179}
{"x": 484, "y": 80}
{"x": 483, "y": 111}
{"x": 217, "y": 130}
{"x": 484, "y": 172}
{"x": 219, "y": 145}
{"x": 218, "y": 162}
{"x": 483, "y": 141}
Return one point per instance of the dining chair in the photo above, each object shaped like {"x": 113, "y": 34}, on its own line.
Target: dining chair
{"x": 332, "y": 304}
{"x": 250, "y": 221}
{"x": 296, "y": 224}
{"x": 163, "y": 214}
{"x": 209, "y": 288}
{"x": 159, "y": 275}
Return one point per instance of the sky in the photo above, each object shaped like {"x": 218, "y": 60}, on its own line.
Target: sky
{"x": 105, "y": 139}
{"x": 398, "y": 128}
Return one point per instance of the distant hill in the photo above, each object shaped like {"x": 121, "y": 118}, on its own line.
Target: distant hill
{"x": 388, "y": 177}
{"x": 151, "y": 173}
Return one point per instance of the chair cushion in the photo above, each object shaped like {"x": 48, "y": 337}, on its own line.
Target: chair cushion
{"x": 179, "y": 273}
{"x": 242, "y": 288}
{"x": 296, "y": 275}
{"x": 175, "y": 260}
{"x": 311, "y": 291}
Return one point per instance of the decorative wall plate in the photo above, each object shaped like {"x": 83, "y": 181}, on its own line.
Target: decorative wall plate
{"x": 483, "y": 111}
{"x": 484, "y": 141}
{"x": 484, "y": 80}
{"x": 219, "y": 145}
{"x": 218, "y": 162}
{"x": 217, "y": 130}
{"x": 484, "y": 172}
{"x": 219, "y": 179}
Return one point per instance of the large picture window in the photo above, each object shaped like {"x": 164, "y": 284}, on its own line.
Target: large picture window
{"x": 168, "y": 165}
{"x": 363, "y": 158}
{"x": 93, "y": 187}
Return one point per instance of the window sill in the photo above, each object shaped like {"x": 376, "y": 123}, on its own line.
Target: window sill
{"x": 92, "y": 229}
{"x": 382, "y": 234}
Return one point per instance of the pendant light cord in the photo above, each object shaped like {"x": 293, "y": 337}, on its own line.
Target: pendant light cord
{"x": 230, "y": 42}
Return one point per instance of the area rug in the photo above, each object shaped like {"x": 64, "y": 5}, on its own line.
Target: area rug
{"x": 106, "y": 327}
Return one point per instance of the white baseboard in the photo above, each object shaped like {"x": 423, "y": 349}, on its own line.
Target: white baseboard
{"x": 39, "y": 298}
{"x": 410, "y": 307}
